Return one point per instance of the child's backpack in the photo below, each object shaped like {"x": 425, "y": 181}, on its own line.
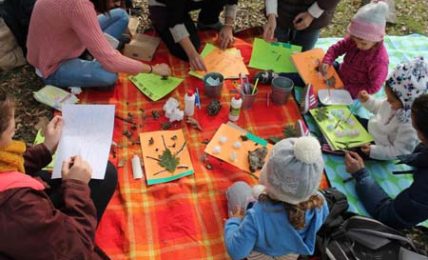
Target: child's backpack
{"x": 348, "y": 236}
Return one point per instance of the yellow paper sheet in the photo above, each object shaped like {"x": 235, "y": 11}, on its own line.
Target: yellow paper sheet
{"x": 234, "y": 135}
{"x": 174, "y": 140}
{"x": 306, "y": 64}
{"x": 228, "y": 62}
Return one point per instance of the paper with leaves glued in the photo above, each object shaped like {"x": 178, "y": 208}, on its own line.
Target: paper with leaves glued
{"x": 274, "y": 56}
{"x": 152, "y": 146}
{"x": 227, "y": 62}
{"x": 306, "y": 64}
{"x": 233, "y": 134}
{"x": 154, "y": 86}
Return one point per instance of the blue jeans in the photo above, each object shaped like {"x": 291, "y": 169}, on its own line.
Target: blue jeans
{"x": 306, "y": 39}
{"x": 84, "y": 73}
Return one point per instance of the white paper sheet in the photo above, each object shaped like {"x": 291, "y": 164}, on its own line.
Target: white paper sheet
{"x": 88, "y": 132}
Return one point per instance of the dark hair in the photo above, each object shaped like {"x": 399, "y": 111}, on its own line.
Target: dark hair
{"x": 7, "y": 108}
{"x": 296, "y": 213}
{"x": 420, "y": 114}
{"x": 101, "y": 6}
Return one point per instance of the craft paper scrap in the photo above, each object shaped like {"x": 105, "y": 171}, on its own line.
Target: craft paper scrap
{"x": 87, "y": 132}
{"x": 154, "y": 86}
{"x": 165, "y": 156}
{"x": 232, "y": 144}
{"x": 54, "y": 97}
{"x": 274, "y": 56}
{"x": 40, "y": 139}
{"x": 227, "y": 62}
{"x": 341, "y": 129}
{"x": 307, "y": 65}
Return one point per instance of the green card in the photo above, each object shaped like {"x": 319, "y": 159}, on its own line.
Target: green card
{"x": 40, "y": 139}
{"x": 340, "y": 127}
{"x": 274, "y": 56}
{"x": 154, "y": 86}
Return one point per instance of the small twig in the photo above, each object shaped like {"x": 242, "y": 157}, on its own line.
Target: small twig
{"x": 156, "y": 159}
{"x": 181, "y": 149}
{"x": 253, "y": 175}
{"x": 129, "y": 121}
{"x": 159, "y": 172}
{"x": 182, "y": 167}
{"x": 164, "y": 144}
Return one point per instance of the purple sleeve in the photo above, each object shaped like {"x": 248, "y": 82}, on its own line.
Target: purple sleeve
{"x": 336, "y": 50}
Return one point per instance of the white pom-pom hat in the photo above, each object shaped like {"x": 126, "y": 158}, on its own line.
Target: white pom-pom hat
{"x": 293, "y": 172}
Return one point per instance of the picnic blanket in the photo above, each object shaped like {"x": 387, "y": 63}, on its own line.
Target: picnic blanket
{"x": 182, "y": 219}
{"x": 400, "y": 48}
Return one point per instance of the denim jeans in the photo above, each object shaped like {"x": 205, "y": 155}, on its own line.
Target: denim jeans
{"x": 306, "y": 39}
{"x": 84, "y": 73}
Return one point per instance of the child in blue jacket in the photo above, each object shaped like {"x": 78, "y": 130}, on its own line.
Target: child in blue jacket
{"x": 284, "y": 220}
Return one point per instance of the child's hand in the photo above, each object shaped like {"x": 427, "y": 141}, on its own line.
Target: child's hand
{"x": 323, "y": 69}
{"x": 353, "y": 162}
{"x": 162, "y": 70}
{"x": 53, "y": 133}
{"x": 363, "y": 96}
{"x": 269, "y": 28}
{"x": 366, "y": 149}
{"x": 237, "y": 213}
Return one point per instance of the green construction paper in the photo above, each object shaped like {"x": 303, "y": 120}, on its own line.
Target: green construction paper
{"x": 273, "y": 56}
{"x": 174, "y": 177}
{"x": 38, "y": 140}
{"x": 257, "y": 140}
{"x": 363, "y": 138}
{"x": 153, "y": 86}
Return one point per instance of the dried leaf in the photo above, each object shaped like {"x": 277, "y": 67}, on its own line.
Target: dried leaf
{"x": 168, "y": 161}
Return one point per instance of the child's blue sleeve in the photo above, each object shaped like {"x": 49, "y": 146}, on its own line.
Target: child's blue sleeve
{"x": 240, "y": 236}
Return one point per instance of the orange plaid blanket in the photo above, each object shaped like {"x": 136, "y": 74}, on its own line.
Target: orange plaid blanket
{"x": 182, "y": 219}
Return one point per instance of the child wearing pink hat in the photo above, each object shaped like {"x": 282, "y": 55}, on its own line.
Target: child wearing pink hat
{"x": 365, "y": 64}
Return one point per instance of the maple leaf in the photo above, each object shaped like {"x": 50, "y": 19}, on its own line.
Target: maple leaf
{"x": 168, "y": 161}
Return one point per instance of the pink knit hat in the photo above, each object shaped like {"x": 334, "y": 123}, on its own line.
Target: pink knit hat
{"x": 369, "y": 22}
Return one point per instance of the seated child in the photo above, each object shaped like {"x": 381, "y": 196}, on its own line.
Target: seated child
{"x": 410, "y": 207}
{"x": 391, "y": 126}
{"x": 365, "y": 65}
{"x": 286, "y": 216}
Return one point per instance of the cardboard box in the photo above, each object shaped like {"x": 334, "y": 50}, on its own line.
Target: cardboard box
{"x": 142, "y": 47}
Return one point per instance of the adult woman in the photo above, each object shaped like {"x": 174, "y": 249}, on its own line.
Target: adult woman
{"x": 61, "y": 30}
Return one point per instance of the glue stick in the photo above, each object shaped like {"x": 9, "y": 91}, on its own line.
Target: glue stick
{"x": 189, "y": 103}
{"x": 137, "y": 171}
{"x": 235, "y": 108}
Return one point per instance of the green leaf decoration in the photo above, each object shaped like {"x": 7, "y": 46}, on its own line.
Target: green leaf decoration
{"x": 168, "y": 161}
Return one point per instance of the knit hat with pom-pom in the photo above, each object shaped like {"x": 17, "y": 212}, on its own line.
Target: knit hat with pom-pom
{"x": 293, "y": 172}
{"x": 370, "y": 21}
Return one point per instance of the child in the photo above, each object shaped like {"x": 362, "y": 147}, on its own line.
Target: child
{"x": 391, "y": 126}
{"x": 28, "y": 216}
{"x": 283, "y": 222}
{"x": 365, "y": 65}
{"x": 410, "y": 207}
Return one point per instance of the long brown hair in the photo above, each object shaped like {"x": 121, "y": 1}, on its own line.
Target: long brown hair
{"x": 296, "y": 213}
{"x": 7, "y": 109}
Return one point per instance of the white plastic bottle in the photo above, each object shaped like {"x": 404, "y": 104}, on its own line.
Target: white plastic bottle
{"x": 235, "y": 108}
{"x": 137, "y": 170}
{"x": 189, "y": 103}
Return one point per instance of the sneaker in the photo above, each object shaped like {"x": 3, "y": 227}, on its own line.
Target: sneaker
{"x": 265, "y": 77}
{"x": 301, "y": 128}
{"x": 214, "y": 26}
{"x": 308, "y": 100}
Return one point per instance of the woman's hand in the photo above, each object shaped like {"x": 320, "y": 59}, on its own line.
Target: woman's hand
{"x": 162, "y": 69}
{"x": 226, "y": 37}
{"x": 53, "y": 133}
{"x": 353, "y": 162}
{"x": 363, "y": 96}
{"x": 302, "y": 21}
{"x": 74, "y": 168}
{"x": 196, "y": 62}
{"x": 269, "y": 28}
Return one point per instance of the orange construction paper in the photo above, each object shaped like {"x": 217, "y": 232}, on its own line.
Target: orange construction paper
{"x": 152, "y": 166}
{"x": 306, "y": 64}
{"x": 233, "y": 134}
{"x": 228, "y": 62}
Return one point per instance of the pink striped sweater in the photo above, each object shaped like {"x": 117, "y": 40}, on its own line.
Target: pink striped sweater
{"x": 62, "y": 29}
{"x": 360, "y": 70}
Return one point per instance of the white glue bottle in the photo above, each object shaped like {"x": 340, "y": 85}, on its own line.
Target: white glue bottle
{"x": 137, "y": 170}
{"x": 189, "y": 103}
{"x": 235, "y": 108}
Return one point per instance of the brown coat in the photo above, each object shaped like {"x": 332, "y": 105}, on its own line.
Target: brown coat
{"x": 288, "y": 9}
{"x": 32, "y": 228}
